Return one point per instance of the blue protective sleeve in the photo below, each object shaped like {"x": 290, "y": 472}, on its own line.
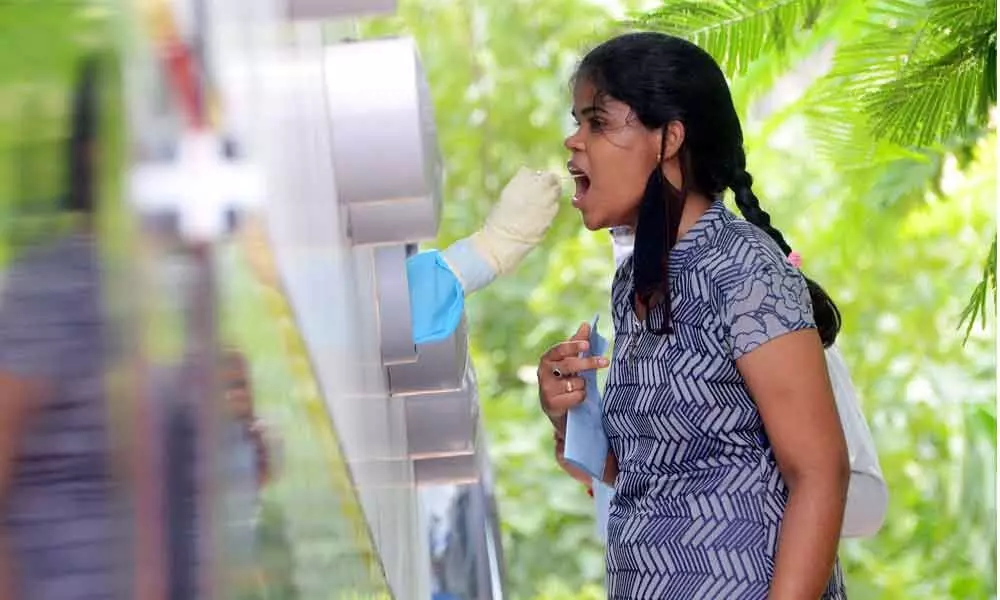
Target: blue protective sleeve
{"x": 436, "y": 297}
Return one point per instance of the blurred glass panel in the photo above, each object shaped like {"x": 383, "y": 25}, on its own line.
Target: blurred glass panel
{"x": 68, "y": 341}
{"x": 463, "y": 537}
{"x": 310, "y": 536}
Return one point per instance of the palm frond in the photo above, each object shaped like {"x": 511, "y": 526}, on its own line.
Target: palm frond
{"x": 902, "y": 183}
{"x": 736, "y": 32}
{"x": 761, "y": 77}
{"x": 976, "y": 308}
{"x": 945, "y": 89}
{"x": 906, "y": 79}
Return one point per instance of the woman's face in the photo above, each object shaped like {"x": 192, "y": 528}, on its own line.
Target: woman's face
{"x": 612, "y": 154}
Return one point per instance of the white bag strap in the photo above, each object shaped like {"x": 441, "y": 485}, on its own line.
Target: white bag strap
{"x": 867, "y": 494}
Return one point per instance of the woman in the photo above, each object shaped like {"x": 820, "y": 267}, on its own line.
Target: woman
{"x": 59, "y": 518}
{"x": 727, "y": 456}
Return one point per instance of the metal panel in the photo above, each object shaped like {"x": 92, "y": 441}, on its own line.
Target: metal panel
{"x": 442, "y": 424}
{"x": 383, "y": 140}
{"x": 331, "y": 290}
{"x": 393, "y": 308}
{"x": 440, "y": 366}
{"x": 335, "y": 9}
{"x": 461, "y": 468}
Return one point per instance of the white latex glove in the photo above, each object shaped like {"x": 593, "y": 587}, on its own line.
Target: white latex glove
{"x": 519, "y": 220}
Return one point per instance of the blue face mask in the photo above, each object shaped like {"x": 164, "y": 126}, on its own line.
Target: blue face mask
{"x": 586, "y": 443}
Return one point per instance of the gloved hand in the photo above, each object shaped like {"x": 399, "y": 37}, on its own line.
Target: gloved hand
{"x": 516, "y": 224}
{"x": 519, "y": 220}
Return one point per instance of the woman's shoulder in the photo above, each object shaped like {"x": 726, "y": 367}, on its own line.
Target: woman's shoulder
{"x": 742, "y": 246}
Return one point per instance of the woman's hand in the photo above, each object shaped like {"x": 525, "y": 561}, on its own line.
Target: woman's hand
{"x": 560, "y": 386}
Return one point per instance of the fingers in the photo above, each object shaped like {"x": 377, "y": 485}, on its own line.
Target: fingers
{"x": 569, "y": 367}
{"x": 542, "y": 177}
{"x": 549, "y": 181}
{"x": 559, "y": 384}
{"x": 582, "y": 332}
{"x": 536, "y": 186}
{"x": 564, "y": 350}
{"x": 577, "y": 343}
{"x": 560, "y": 395}
{"x": 553, "y": 386}
{"x": 575, "y": 364}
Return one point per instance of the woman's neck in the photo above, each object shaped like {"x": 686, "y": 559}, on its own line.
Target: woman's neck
{"x": 695, "y": 205}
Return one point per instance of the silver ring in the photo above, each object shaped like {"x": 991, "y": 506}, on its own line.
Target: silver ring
{"x": 557, "y": 372}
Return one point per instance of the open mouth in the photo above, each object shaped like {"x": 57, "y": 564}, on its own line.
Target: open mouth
{"x": 582, "y": 181}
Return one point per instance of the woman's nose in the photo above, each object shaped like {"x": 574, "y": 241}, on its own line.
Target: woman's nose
{"x": 574, "y": 142}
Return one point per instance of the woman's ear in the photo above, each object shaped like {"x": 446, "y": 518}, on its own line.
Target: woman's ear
{"x": 675, "y": 139}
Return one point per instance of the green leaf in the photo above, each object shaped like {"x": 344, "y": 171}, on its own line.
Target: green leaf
{"x": 977, "y": 305}
{"x": 737, "y": 33}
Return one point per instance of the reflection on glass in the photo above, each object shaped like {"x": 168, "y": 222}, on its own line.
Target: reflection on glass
{"x": 310, "y": 537}
{"x": 463, "y": 536}
{"x": 64, "y": 517}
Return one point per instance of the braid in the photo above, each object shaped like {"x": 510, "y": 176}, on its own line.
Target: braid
{"x": 750, "y": 208}
{"x": 83, "y": 131}
{"x": 825, "y": 312}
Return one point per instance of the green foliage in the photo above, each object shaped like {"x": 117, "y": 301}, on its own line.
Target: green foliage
{"x": 910, "y": 81}
{"x": 737, "y": 32}
{"x": 945, "y": 83}
{"x": 977, "y": 305}
{"x": 913, "y": 73}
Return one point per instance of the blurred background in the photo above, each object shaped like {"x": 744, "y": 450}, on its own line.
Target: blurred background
{"x": 871, "y": 136}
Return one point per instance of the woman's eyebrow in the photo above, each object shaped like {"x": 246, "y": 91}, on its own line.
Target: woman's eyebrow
{"x": 588, "y": 111}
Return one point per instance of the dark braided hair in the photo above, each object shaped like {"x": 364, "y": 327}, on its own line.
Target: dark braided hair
{"x": 665, "y": 79}
{"x": 83, "y": 132}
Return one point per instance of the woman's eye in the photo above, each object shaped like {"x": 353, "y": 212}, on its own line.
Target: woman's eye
{"x": 596, "y": 125}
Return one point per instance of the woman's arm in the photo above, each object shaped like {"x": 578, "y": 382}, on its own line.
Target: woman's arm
{"x": 19, "y": 400}
{"x": 610, "y": 469}
{"x": 788, "y": 380}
